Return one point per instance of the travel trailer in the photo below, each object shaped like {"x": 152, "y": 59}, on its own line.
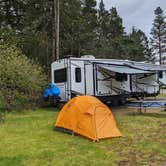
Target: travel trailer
{"x": 112, "y": 81}
{"x": 85, "y": 76}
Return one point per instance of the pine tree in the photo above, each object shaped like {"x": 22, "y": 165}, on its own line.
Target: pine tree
{"x": 12, "y": 14}
{"x": 103, "y": 19}
{"x": 89, "y": 27}
{"x": 27, "y": 24}
{"x": 70, "y": 27}
{"x": 116, "y": 25}
{"x": 158, "y": 32}
{"x": 102, "y": 47}
{"x": 139, "y": 46}
{"x": 115, "y": 34}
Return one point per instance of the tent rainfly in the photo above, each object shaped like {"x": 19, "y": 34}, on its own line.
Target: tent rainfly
{"x": 89, "y": 117}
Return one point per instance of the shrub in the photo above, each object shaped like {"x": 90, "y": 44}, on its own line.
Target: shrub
{"x": 21, "y": 79}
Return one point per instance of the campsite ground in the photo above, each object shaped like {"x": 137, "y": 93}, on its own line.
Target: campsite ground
{"x": 27, "y": 138}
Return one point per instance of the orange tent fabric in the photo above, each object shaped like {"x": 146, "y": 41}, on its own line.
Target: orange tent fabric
{"x": 89, "y": 117}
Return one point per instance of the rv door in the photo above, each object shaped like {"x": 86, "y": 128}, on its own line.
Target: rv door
{"x": 77, "y": 78}
{"x": 89, "y": 79}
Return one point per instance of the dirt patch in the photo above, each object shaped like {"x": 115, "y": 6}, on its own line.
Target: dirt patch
{"x": 131, "y": 162}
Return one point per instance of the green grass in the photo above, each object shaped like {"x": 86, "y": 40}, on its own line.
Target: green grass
{"x": 27, "y": 139}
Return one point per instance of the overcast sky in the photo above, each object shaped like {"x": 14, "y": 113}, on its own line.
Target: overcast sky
{"x": 138, "y": 13}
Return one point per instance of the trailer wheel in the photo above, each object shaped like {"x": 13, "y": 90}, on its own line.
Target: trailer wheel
{"x": 114, "y": 102}
{"x": 122, "y": 101}
{"x": 59, "y": 105}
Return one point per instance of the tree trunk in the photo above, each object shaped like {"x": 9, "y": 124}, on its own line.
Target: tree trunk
{"x": 160, "y": 58}
{"x": 55, "y": 34}
{"x": 57, "y": 30}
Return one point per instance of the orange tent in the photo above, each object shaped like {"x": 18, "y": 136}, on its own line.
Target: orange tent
{"x": 87, "y": 116}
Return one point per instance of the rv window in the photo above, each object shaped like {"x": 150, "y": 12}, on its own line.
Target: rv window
{"x": 60, "y": 75}
{"x": 121, "y": 77}
{"x": 78, "y": 74}
{"x": 160, "y": 74}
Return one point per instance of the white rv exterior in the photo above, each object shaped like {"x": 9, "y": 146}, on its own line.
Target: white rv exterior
{"x": 162, "y": 77}
{"x": 109, "y": 80}
{"x": 149, "y": 83}
{"x": 83, "y": 76}
{"x": 144, "y": 85}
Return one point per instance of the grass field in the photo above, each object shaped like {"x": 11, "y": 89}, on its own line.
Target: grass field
{"x": 27, "y": 138}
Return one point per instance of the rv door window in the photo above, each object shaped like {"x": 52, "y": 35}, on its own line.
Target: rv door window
{"x": 60, "y": 75}
{"x": 160, "y": 74}
{"x": 78, "y": 74}
{"x": 121, "y": 77}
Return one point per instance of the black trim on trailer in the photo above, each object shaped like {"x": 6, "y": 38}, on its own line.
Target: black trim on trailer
{"x": 85, "y": 78}
{"x": 131, "y": 86}
{"x": 66, "y": 80}
{"x": 94, "y": 87}
{"x": 96, "y": 69}
{"x": 70, "y": 75}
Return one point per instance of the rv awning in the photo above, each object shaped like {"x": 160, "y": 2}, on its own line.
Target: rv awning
{"x": 122, "y": 69}
{"x": 145, "y": 66}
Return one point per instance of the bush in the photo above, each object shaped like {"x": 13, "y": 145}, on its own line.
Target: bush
{"x": 21, "y": 79}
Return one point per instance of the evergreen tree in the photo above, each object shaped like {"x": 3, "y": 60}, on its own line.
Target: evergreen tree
{"x": 84, "y": 29}
{"x": 88, "y": 27}
{"x": 116, "y": 28}
{"x": 115, "y": 34}
{"x": 158, "y": 33}
{"x": 12, "y": 14}
{"x": 70, "y": 27}
{"x": 102, "y": 49}
{"x": 103, "y": 19}
{"x": 27, "y": 24}
{"x": 138, "y": 47}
